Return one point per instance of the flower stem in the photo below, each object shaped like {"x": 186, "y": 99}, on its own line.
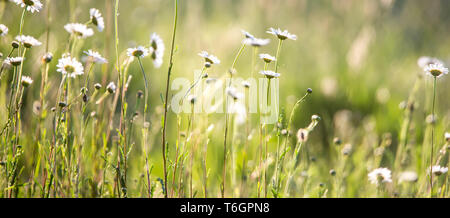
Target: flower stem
{"x": 167, "y": 96}
{"x": 432, "y": 138}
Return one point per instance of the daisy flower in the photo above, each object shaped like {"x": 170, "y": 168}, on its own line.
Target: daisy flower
{"x": 26, "y": 81}
{"x": 15, "y": 61}
{"x": 438, "y": 170}
{"x": 447, "y": 136}
{"x": 79, "y": 30}
{"x": 246, "y": 84}
{"x": 269, "y": 74}
{"x": 97, "y": 19}
{"x": 95, "y": 57}
{"x": 232, "y": 92}
{"x": 69, "y": 66}
{"x": 424, "y": 61}
{"x": 282, "y": 35}
{"x": 256, "y": 42}
{"x": 380, "y": 175}
{"x": 156, "y": 50}
{"x": 247, "y": 34}
{"x": 139, "y": 51}
{"x": 30, "y": 5}
{"x": 28, "y": 41}
{"x": 408, "y": 176}
{"x": 209, "y": 58}
{"x": 241, "y": 113}
{"x": 436, "y": 70}
{"x": 3, "y": 30}
{"x": 267, "y": 58}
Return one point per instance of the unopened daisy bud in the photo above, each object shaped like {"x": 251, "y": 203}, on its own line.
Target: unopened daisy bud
{"x": 26, "y": 81}
{"x": 347, "y": 149}
{"x": 47, "y": 58}
{"x": 15, "y": 44}
{"x": 246, "y": 84}
{"x": 192, "y": 99}
{"x": 205, "y": 75}
{"x": 431, "y": 119}
{"x": 333, "y": 172}
{"x": 337, "y": 141}
{"x": 315, "y": 118}
{"x": 140, "y": 94}
{"x": 309, "y": 90}
{"x": 111, "y": 88}
{"x": 302, "y": 135}
{"x": 62, "y": 104}
{"x": 85, "y": 98}
{"x": 97, "y": 86}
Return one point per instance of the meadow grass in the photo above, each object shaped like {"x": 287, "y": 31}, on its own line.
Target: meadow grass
{"x": 90, "y": 98}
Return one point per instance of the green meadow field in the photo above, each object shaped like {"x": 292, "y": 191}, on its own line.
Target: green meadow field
{"x": 224, "y": 98}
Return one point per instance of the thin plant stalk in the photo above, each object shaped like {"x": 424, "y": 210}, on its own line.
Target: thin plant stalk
{"x": 167, "y": 96}
{"x": 432, "y": 136}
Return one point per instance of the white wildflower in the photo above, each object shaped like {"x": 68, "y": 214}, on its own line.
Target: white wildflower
{"x": 209, "y": 58}
{"x": 28, "y": 41}
{"x": 436, "y": 70}
{"x": 95, "y": 57}
{"x": 3, "y": 30}
{"x": 269, "y": 74}
{"x": 79, "y": 30}
{"x": 157, "y": 50}
{"x": 282, "y": 35}
{"x": 380, "y": 175}
{"x": 139, "y": 51}
{"x": 97, "y": 19}
{"x": 267, "y": 58}
{"x": 69, "y": 66}
{"x": 30, "y": 5}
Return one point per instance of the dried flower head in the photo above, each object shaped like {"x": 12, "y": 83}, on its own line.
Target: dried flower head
{"x": 30, "y": 5}
{"x": 95, "y": 57}
{"x": 139, "y": 51}
{"x": 28, "y": 41}
{"x": 3, "y": 30}
{"x": 380, "y": 175}
{"x": 211, "y": 59}
{"x": 282, "y": 35}
{"x": 267, "y": 58}
{"x": 436, "y": 70}
{"x": 69, "y": 66}
{"x": 156, "y": 49}
{"x": 79, "y": 30}
{"x": 26, "y": 81}
{"x": 269, "y": 74}
{"x": 97, "y": 19}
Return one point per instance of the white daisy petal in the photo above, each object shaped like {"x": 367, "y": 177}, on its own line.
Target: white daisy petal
{"x": 79, "y": 30}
